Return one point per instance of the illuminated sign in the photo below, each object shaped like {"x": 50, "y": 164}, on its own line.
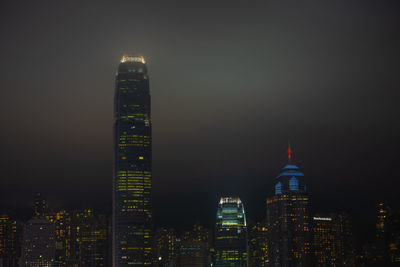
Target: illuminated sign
{"x": 322, "y": 219}
{"x": 224, "y": 200}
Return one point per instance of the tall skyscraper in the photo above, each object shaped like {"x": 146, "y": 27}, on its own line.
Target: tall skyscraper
{"x": 132, "y": 208}
{"x": 288, "y": 219}
{"x": 231, "y": 234}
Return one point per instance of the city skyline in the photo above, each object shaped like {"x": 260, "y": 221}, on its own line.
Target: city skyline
{"x": 232, "y": 84}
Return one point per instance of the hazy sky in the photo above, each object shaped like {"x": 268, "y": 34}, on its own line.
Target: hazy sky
{"x": 231, "y": 83}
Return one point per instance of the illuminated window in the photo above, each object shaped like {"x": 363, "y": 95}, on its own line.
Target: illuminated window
{"x": 278, "y": 188}
{"x": 293, "y": 184}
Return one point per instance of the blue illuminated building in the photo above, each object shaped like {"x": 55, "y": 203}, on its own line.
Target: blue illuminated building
{"x": 288, "y": 219}
{"x": 289, "y": 180}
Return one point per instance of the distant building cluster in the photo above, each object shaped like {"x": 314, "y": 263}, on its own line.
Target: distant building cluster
{"x": 79, "y": 238}
{"x": 55, "y": 238}
{"x": 289, "y": 236}
{"x": 386, "y": 247}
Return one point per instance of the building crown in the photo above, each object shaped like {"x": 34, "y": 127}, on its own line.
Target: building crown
{"x": 127, "y": 58}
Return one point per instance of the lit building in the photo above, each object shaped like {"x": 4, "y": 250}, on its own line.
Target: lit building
{"x": 201, "y": 234}
{"x": 9, "y": 245}
{"x": 132, "y": 210}
{"x": 381, "y": 217}
{"x": 192, "y": 253}
{"x": 231, "y": 234}
{"x": 346, "y": 243}
{"x": 93, "y": 240}
{"x": 288, "y": 219}
{"x": 258, "y": 245}
{"x": 40, "y": 208}
{"x": 194, "y": 248}
{"x": 394, "y": 239}
{"x": 89, "y": 240}
{"x": 38, "y": 244}
{"x": 166, "y": 247}
{"x": 388, "y": 236}
{"x": 62, "y": 222}
{"x": 82, "y": 239}
{"x": 325, "y": 241}
{"x": 379, "y": 251}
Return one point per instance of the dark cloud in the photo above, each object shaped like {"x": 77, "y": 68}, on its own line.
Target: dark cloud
{"x": 231, "y": 83}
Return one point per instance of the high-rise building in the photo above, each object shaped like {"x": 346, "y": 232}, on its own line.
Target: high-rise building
{"x": 231, "y": 234}
{"x": 258, "y": 245}
{"x": 194, "y": 248}
{"x": 132, "y": 208}
{"x": 325, "y": 241}
{"x": 192, "y": 253}
{"x": 346, "y": 243}
{"x": 40, "y": 208}
{"x": 82, "y": 239}
{"x": 9, "y": 241}
{"x": 381, "y": 220}
{"x": 393, "y": 238}
{"x": 379, "y": 250}
{"x": 388, "y": 235}
{"x": 38, "y": 244}
{"x": 166, "y": 247}
{"x": 93, "y": 240}
{"x": 62, "y": 222}
{"x": 288, "y": 219}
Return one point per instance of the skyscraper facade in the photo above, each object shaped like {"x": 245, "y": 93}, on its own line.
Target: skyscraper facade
{"x": 289, "y": 220}
{"x": 9, "y": 241}
{"x": 346, "y": 244}
{"x": 231, "y": 248}
{"x": 258, "y": 245}
{"x": 40, "y": 208}
{"x": 194, "y": 248}
{"x": 38, "y": 244}
{"x": 332, "y": 240}
{"x": 387, "y": 236}
{"x": 132, "y": 209}
{"x": 325, "y": 241}
{"x": 62, "y": 222}
{"x": 166, "y": 247}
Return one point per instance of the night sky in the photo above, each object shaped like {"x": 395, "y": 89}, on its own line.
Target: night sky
{"x": 231, "y": 83}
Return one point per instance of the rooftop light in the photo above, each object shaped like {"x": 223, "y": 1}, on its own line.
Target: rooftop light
{"x": 139, "y": 59}
{"x": 322, "y": 219}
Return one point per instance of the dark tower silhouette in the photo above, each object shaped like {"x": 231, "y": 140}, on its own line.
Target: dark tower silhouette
{"x": 132, "y": 209}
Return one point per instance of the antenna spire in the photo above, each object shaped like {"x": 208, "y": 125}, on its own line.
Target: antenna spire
{"x": 289, "y": 153}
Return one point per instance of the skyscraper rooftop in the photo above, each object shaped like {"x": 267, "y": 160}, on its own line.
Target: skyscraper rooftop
{"x": 224, "y": 200}
{"x": 130, "y": 58}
